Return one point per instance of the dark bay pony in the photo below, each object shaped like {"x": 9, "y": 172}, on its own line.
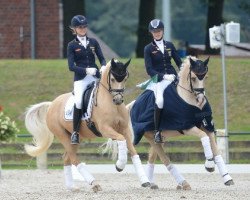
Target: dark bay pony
{"x": 109, "y": 114}
{"x": 186, "y": 112}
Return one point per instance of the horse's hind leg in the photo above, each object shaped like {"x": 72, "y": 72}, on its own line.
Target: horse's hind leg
{"x": 68, "y": 176}
{"x": 71, "y": 156}
{"x": 182, "y": 183}
{"x": 219, "y": 161}
{"x": 152, "y": 155}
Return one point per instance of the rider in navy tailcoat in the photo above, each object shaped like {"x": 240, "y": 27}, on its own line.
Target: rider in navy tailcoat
{"x": 81, "y": 60}
{"x": 157, "y": 56}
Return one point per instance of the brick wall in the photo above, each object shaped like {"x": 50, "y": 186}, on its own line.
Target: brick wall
{"x": 15, "y": 14}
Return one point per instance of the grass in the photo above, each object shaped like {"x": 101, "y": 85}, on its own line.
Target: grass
{"x": 27, "y": 82}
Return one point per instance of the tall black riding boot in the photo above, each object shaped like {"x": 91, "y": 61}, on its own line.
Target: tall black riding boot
{"x": 76, "y": 125}
{"x": 157, "y": 118}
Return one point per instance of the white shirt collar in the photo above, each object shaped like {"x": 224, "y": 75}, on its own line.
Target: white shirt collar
{"x": 159, "y": 42}
{"x": 81, "y": 38}
{"x": 160, "y": 45}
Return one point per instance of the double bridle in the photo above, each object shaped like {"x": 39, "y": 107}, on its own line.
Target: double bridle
{"x": 119, "y": 78}
{"x": 195, "y": 91}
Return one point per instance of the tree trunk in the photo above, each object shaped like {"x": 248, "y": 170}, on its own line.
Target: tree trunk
{"x": 214, "y": 18}
{"x": 146, "y": 14}
{"x": 70, "y": 9}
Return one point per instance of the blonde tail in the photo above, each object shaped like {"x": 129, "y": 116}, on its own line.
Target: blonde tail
{"x": 129, "y": 107}
{"x": 35, "y": 122}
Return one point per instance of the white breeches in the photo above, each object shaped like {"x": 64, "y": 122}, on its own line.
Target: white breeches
{"x": 79, "y": 88}
{"x": 159, "y": 90}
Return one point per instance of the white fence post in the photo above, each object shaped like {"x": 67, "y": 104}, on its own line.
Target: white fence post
{"x": 222, "y": 144}
{"x": 41, "y": 161}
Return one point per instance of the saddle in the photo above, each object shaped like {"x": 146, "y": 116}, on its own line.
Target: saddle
{"x": 87, "y": 96}
{"x": 87, "y": 104}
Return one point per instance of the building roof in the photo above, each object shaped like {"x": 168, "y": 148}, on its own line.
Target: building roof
{"x": 106, "y": 50}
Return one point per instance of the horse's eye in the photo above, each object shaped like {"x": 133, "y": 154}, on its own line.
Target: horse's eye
{"x": 112, "y": 80}
{"x": 193, "y": 79}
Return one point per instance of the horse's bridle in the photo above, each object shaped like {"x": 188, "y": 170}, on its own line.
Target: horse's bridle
{"x": 195, "y": 91}
{"x": 200, "y": 76}
{"x": 120, "y": 78}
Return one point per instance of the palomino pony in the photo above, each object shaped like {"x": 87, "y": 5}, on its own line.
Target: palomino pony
{"x": 109, "y": 114}
{"x": 186, "y": 111}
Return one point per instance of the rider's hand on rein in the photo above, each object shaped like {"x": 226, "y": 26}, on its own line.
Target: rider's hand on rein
{"x": 91, "y": 71}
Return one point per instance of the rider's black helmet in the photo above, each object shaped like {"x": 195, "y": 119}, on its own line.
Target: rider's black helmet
{"x": 79, "y": 20}
{"x": 155, "y": 24}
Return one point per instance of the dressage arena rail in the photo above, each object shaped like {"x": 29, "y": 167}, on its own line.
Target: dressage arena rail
{"x": 222, "y": 138}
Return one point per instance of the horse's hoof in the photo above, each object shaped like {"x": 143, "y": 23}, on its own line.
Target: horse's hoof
{"x": 184, "y": 186}
{"x": 118, "y": 169}
{"x": 153, "y": 186}
{"x": 210, "y": 169}
{"x": 96, "y": 188}
{"x": 73, "y": 189}
{"x": 210, "y": 165}
{"x": 229, "y": 182}
{"x": 147, "y": 184}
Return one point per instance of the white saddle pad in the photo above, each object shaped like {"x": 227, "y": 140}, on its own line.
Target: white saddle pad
{"x": 69, "y": 108}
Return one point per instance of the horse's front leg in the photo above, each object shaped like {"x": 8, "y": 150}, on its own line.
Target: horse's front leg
{"x": 136, "y": 159}
{"x": 219, "y": 160}
{"x": 158, "y": 148}
{"x": 108, "y": 132}
{"x": 205, "y": 141}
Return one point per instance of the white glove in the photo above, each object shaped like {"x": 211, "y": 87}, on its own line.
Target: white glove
{"x": 102, "y": 69}
{"x": 91, "y": 71}
{"x": 169, "y": 77}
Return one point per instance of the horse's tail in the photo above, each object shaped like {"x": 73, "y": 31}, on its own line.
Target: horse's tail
{"x": 129, "y": 107}
{"x": 35, "y": 122}
{"x": 110, "y": 147}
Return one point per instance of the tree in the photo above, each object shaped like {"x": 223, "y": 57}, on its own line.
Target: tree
{"x": 214, "y": 18}
{"x": 70, "y": 9}
{"x": 146, "y": 14}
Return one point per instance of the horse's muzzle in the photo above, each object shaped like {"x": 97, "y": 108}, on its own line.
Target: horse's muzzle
{"x": 118, "y": 97}
{"x": 117, "y": 101}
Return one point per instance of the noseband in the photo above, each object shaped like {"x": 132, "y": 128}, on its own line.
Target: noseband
{"x": 200, "y": 76}
{"x": 195, "y": 91}
{"x": 119, "y": 78}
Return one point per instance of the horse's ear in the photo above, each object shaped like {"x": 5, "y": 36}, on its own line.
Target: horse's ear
{"x": 113, "y": 64}
{"x": 127, "y": 63}
{"x": 206, "y": 61}
{"x": 192, "y": 62}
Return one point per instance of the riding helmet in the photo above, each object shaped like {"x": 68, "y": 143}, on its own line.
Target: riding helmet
{"x": 79, "y": 20}
{"x": 155, "y": 24}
